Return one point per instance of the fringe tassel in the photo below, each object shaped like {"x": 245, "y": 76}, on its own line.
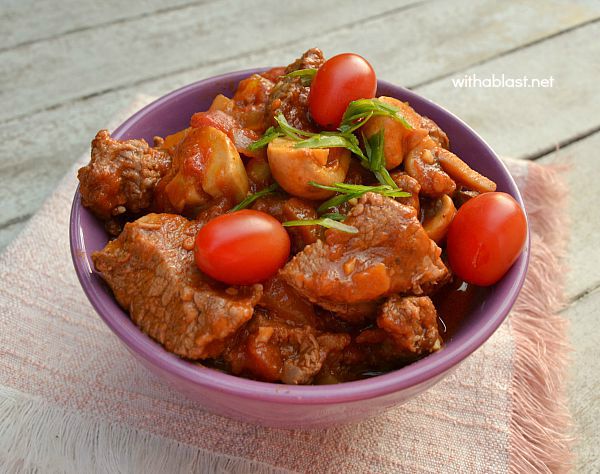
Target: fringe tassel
{"x": 49, "y": 439}
{"x": 541, "y": 424}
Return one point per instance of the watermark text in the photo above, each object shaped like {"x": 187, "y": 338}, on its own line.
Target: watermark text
{"x": 501, "y": 81}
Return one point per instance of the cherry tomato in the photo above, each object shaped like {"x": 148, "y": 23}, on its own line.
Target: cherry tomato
{"x": 242, "y": 248}
{"x": 339, "y": 81}
{"x": 486, "y": 237}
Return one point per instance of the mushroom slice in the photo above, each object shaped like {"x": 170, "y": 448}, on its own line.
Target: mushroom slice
{"x": 293, "y": 168}
{"x": 206, "y": 166}
{"x": 439, "y": 218}
{"x": 463, "y": 173}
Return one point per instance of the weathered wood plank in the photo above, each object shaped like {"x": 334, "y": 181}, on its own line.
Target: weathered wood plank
{"x": 523, "y": 122}
{"x": 51, "y": 72}
{"x": 582, "y": 177}
{"x": 405, "y": 45}
{"x": 584, "y": 382}
{"x": 63, "y": 133}
{"x": 25, "y": 21}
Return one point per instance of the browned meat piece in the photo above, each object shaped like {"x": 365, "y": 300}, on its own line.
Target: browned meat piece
{"x": 410, "y": 185}
{"x": 150, "y": 269}
{"x": 435, "y": 132}
{"x": 407, "y": 330}
{"x": 121, "y": 176}
{"x": 271, "y": 204}
{"x": 390, "y": 254}
{"x": 290, "y": 96}
{"x": 327, "y": 321}
{"x": 250, "y": 102}
{"x": 259, "y": 174}
{"x": 296, "y": 209}
{"x": 269, "y": 349}
{"x": 217, "y": 207}
{"x": 411, "y": 322}
{"x": 291, "y": 209}
{"x": 273, "y": 74}
{"x": 358, "y": 174}
{"x": 311, "y": 59}
{"x": 352, "y": 313}
{"x": 281, "y": 300}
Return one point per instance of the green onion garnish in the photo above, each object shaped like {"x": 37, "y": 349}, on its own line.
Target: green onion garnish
{"x": 324, "y": 222}
{"x": 253, "y": 197}
{"x": 360, "y": 111}
{"x": 305, "y": 139}
{"x": 306, "y": 75}
{"x": 352, "y": 191}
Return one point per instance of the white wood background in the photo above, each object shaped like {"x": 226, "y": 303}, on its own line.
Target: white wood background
{"x": 68, "y": 66}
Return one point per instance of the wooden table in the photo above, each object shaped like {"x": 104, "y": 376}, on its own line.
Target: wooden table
{"x": 68, "y": 66}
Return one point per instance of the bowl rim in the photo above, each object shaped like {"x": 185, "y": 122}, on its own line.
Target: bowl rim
{"x": 426, "y": 369}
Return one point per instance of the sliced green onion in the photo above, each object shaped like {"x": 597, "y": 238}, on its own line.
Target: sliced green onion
{"x": 376, "y": 158}
{"x": 323, "y": 222}
{"x": 253, "y": 197}
{"x": 308, "y": 139}
{"x": 351, "y": 191}
{"x": 292, "y": 132}
{"x": 332, "y": 141}
{"x": 271, "y": 134}
{"x": 336, "y": 216}
{"x": 306, "y": 75}
{"x": 338, "y": 200}
{"x": 360, "y": 111}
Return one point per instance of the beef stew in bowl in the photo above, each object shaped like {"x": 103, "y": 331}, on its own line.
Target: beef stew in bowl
{"x": 470, "y": 314}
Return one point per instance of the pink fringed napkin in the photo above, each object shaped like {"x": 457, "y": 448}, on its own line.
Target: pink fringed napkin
{"x": 73, "y": 399}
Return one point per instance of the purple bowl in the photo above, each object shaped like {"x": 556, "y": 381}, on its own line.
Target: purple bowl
{"x": 284, "y": 405}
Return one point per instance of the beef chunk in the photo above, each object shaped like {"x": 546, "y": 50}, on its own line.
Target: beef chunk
{"x": 150, "y": 269}
{"x": 311, "y": 59}
{"x": 410, "y": 185}
{"x": 217, "y": 207}
{"x": 291, "y": 209}
{"x": 290, "y": 96}
{"x": 271, "y": 204}
{"x": 406, "y": 330}
{"x": 435, "y": 132}
{"x": 295, "y": 209}
{"x": 121, "y": 176}
{"x": 272, "y": 350}
{"x": 281, "y": 300}
{"x": 352, "y": 313}
{"x": 390, "y": 254}
{"x": 251, "y": 99}
{"x": 411, "y": 322}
